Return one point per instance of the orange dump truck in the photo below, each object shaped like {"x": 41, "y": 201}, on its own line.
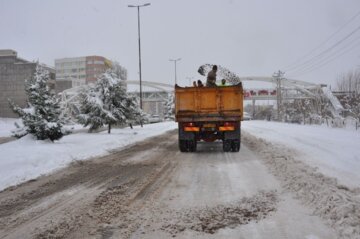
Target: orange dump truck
{"x": 209, "y": 114}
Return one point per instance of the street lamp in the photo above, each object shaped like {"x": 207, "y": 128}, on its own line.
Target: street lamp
{"x": 175, "y": 60}
{"x": 138, "y": 8}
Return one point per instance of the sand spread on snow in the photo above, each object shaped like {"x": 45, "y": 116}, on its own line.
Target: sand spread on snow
{"x": 211, "y": 219}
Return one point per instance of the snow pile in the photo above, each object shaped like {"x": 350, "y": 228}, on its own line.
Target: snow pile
{"x": 351, "y": 123}
{"x": 26, "y": 158}
{"x": 333, "y": 202}
{"x": 7, "y": 125}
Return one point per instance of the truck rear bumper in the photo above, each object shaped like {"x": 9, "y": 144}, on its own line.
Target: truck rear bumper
{"x": 184, "y": 119}
{"x": 209, "y": 131}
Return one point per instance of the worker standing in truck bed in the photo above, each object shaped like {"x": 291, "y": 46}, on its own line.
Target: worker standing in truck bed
{"x": 211, "y": 77}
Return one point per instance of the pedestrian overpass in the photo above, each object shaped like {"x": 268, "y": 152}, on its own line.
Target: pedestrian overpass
{"x": 304, "y": 89}
{"x": 285, "y": 89}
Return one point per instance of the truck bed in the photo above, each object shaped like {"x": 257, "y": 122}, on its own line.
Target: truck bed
{"x": 208, "y": 103}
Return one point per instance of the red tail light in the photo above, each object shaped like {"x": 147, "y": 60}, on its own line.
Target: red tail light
{"x": 191, "y": 127}
{"x": 227, "y": 126}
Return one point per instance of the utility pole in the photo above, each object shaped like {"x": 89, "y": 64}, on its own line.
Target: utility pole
{"x": 279, "y": 76}
{"x": 138, "y": 14}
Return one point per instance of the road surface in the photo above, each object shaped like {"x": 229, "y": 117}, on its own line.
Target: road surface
{"x": 151, "y": 190}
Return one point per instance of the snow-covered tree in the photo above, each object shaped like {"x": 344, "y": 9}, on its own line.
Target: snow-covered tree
{"x": 349, "y": 82}
{"x": 169, "y": 107}
{"x": 107, "y": 103}
{"x": 303, "y": 106}
{"x": 351, "y": 104}
{"x": 132, "y": 110}
{"x": 300, "y": 110}
{"x": 119, "y": 70}
{"x": 42, "y": 116}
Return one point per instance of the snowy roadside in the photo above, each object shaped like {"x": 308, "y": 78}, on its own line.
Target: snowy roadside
{"x": 7, "y": 125}
{"x": 26, "y": 158}
{"x": 334, "y": 152}
{"x": 338, "y": 205}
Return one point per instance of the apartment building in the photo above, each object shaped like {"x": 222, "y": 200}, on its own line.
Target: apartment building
{"x": 81, "y": 70}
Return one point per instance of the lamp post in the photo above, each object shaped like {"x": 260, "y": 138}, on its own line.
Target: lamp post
{"x": 175, "y": 60}
{"x": 138, "y": 10}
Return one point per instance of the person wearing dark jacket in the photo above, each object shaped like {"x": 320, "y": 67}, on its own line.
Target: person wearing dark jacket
{"x": 199, "y": 83}
{"x": 211, "y": 77}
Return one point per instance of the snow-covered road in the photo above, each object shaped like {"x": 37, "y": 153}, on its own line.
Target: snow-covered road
{"x": 272, "y": 188}
{"x": 209, "y": 190}
{"x": 335, "y": 152}
{"x": 151, "y": 190}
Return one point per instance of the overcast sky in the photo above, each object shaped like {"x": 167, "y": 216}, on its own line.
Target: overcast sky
{"x": 249, "y": 37}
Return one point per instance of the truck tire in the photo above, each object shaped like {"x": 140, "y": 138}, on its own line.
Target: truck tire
{"x": 183, "y": 146}
{"x": 226, "y": 145}
{"x": 235, "y": 145}
{"x": 192, "y": 145}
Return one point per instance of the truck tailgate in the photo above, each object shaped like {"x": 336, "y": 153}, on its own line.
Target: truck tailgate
{"x": 209, "y": 103}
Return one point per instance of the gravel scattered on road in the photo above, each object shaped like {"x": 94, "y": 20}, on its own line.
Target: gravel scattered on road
{"x": 211, "y": 219}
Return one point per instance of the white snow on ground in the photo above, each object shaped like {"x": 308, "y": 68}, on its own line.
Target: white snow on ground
{"x": 7, "y": 125}
{"x": 335, "y": 152}
{"x": 26, "y": 158}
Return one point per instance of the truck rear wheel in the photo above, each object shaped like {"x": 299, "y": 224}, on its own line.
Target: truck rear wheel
{"x": 187, "y": 145}
{"x": 235, "y": 145}
{"x": 183, "y": 145}
{"x": 192, "y": 145}
{"x": 227, "y": 145}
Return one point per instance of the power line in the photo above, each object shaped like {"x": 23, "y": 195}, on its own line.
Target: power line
{"x": 321, "y": 54}
{"x": 321, "y": 44}
{"x": 325, "y": 63}
{"x": 328, "y": 59}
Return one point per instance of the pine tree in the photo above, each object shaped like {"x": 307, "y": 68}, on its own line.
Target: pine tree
{"x": 42, "y": 116}
{"x": 169, "y": 107}
{"x": 133, "y": 111}
{"x": 106, "y": 103}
